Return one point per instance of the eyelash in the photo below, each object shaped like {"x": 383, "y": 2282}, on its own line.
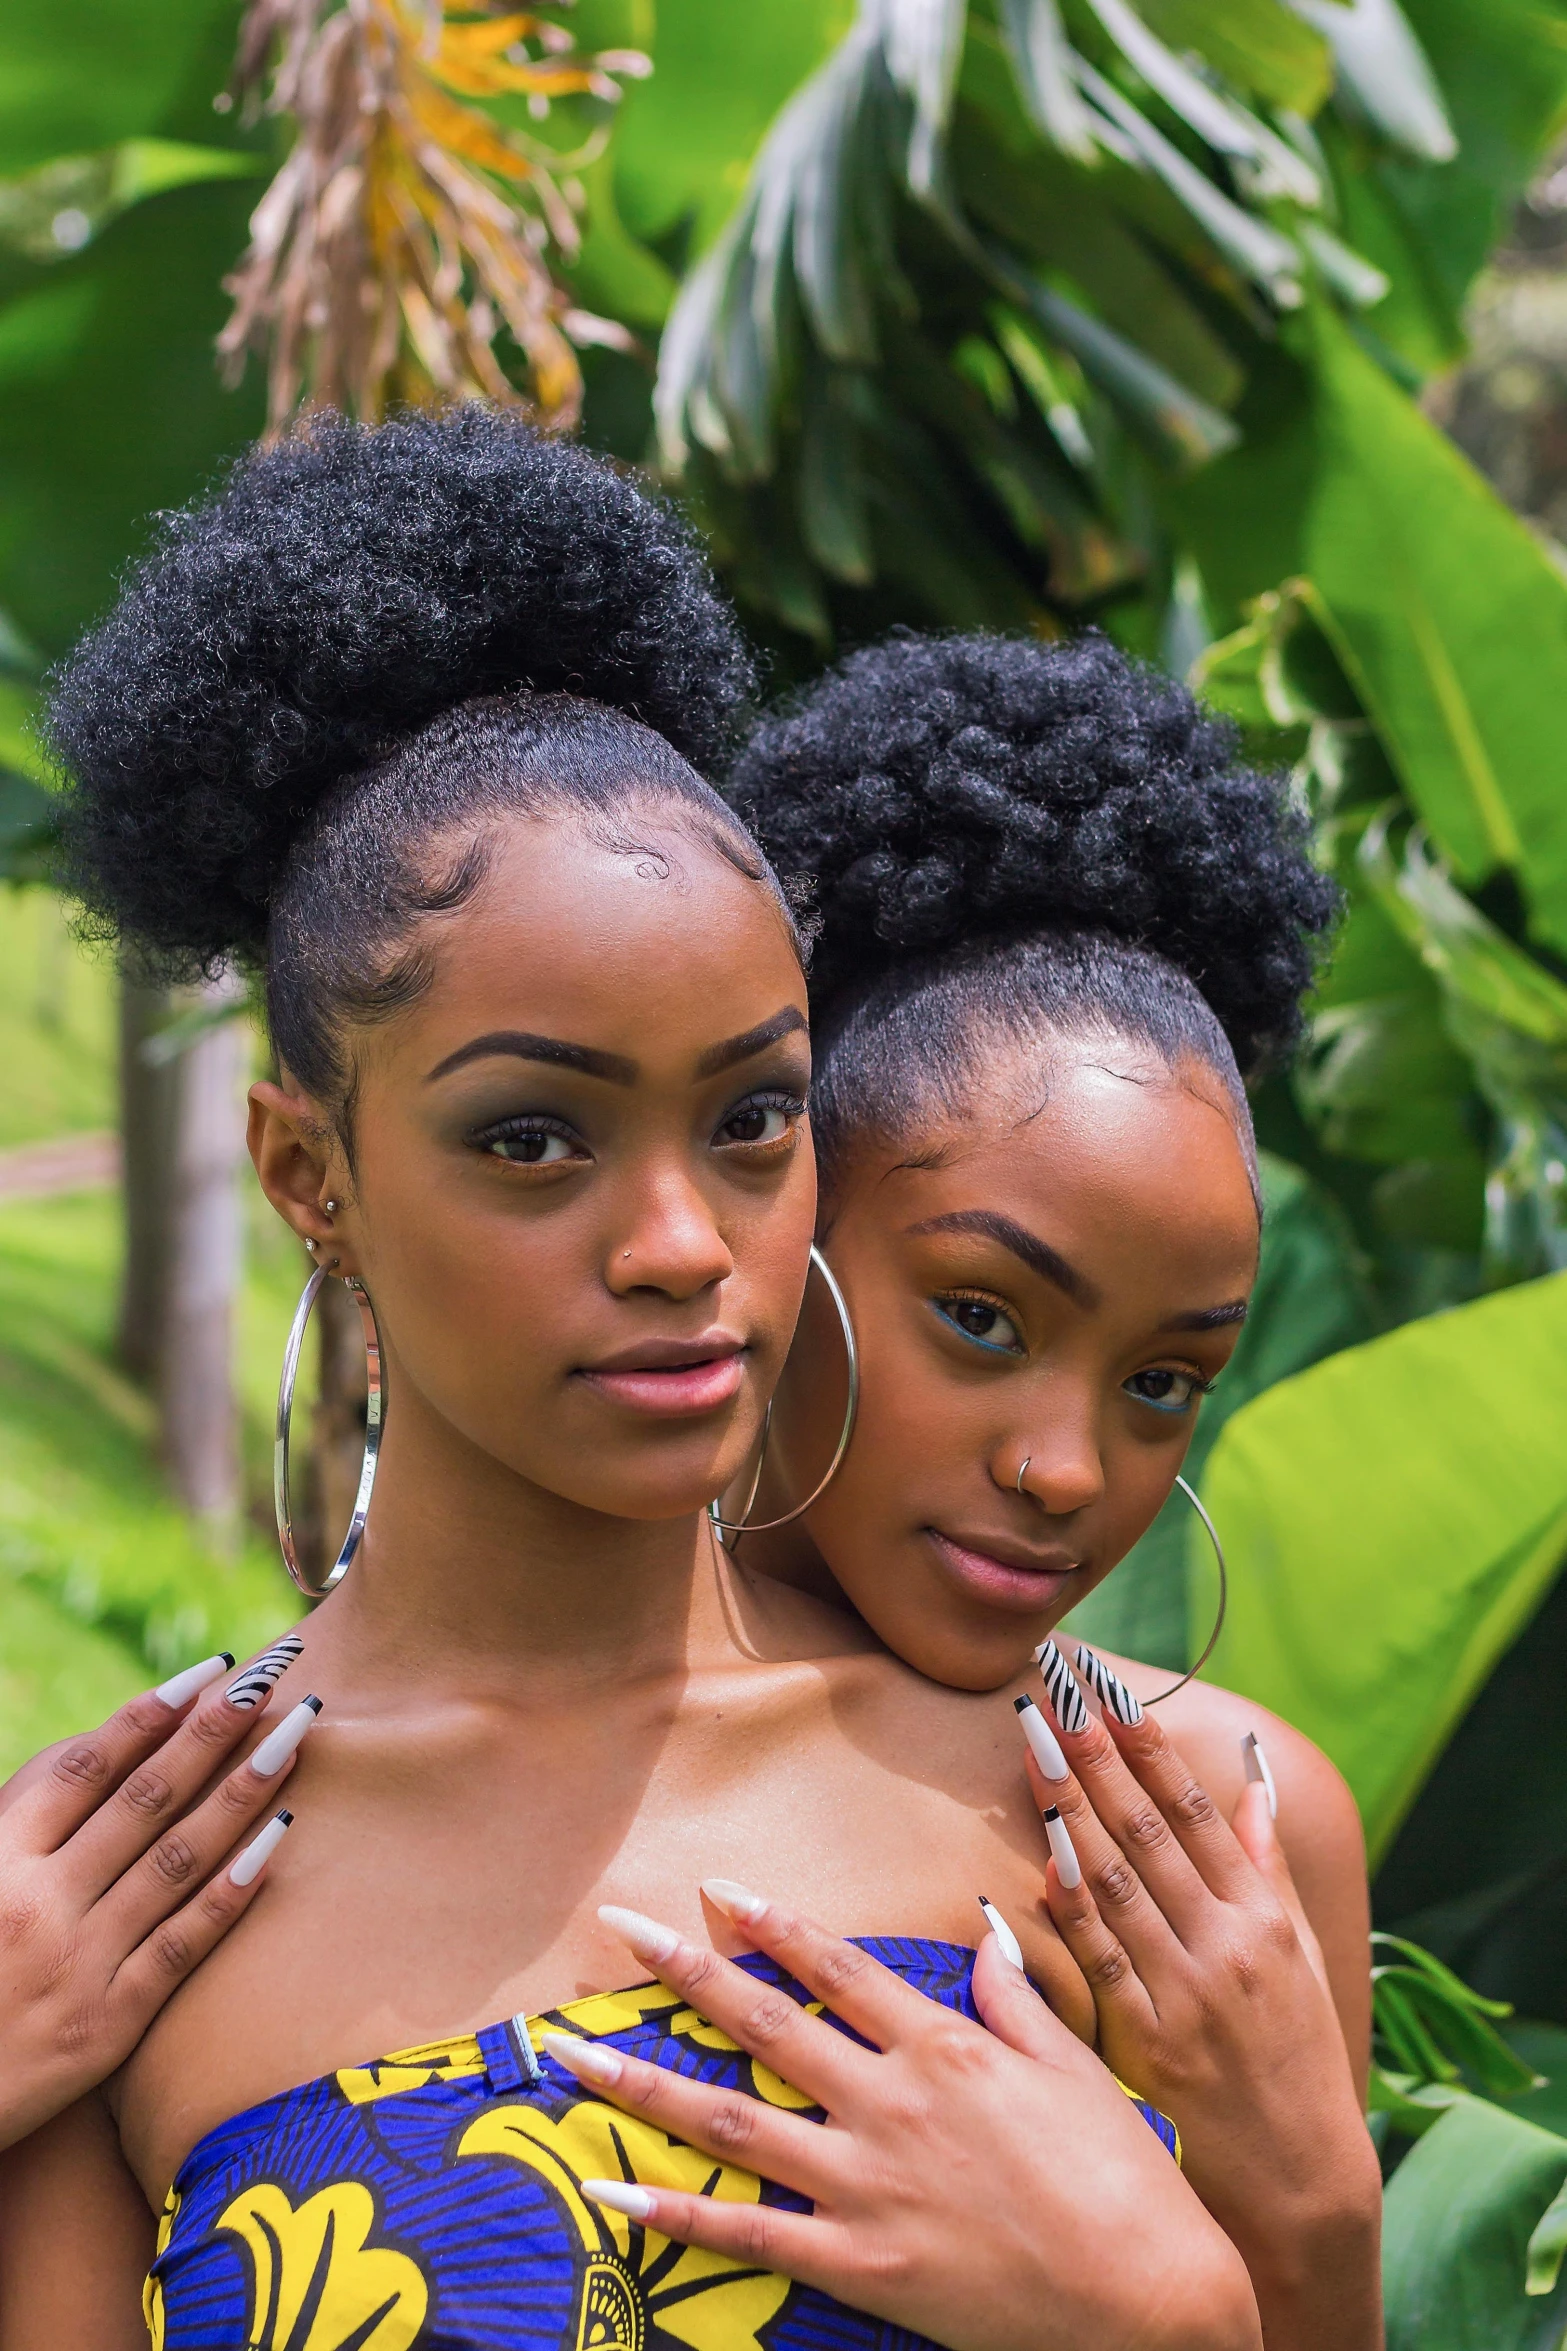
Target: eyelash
{"x": 948, "y": 1298}
{"x": 792, "y": 1107}
{"x": 1199, "y": 1388}
{"x": 515, "y": 1129}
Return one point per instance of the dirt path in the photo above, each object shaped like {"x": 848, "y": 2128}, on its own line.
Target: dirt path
{"x": 65, "y": 1163}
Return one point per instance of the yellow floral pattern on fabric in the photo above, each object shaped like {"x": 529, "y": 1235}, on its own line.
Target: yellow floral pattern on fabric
{"x": 410, "y": 2069}
{"x": 689, "y": 2025}
{"x": 152, "y": 2290}
{"x": 635, "y": 2276}
{"x": 315, "y": 2264}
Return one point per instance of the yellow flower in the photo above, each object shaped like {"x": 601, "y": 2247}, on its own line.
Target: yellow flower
{"x": 637, "y": 2283}
{"x": 316, "y": 2260}
{"x": 410, "y": 2069}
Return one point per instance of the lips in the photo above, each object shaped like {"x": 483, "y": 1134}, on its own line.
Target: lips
{"x": 672, "y": 1378}
{"x": 1004, "y": 1575}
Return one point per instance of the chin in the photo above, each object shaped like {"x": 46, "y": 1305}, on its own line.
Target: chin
{"x": 949, "y": 1652}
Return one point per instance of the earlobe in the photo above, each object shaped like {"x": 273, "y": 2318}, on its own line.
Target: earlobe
{"x": 291, "y": 1148}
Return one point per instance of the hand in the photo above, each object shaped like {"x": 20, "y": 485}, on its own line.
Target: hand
{"x": 992, "y": 2190}
{"x": 1213, "y": 2004}
{"x": 98, "y": 1859}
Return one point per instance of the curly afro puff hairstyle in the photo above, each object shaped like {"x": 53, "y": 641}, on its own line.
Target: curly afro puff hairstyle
{"x": 998, "y": 829}
{"x": 368, "y": 638}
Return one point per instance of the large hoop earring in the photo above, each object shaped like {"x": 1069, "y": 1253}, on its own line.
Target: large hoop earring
{"x": 742, "y": 1525}
{"x": 285, "y": 1413}
{"x": 1224, "y": 1598}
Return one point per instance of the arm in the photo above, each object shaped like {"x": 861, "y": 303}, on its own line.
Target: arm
{"x": 76, "y": 2239}
{"x": 1211, "y": 2001}
{"x": 1319, "y": 1831}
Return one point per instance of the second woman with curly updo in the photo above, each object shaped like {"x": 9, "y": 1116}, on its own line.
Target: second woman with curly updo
{"x": 1059, "y": 923}
{"x": 408, "y": 720}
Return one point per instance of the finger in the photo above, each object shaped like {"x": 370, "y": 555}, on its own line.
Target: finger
{"x": 1140, "y": 1922}
{"x": 159, "y": 1965}
{"x": 187, "y": 1852}
{"x": 156, "y": 1793}
{"x": 729, "y": 2124}
{"x": 858, "y": 1989}
{"x": 1252, "y": 1822}
{"x": 753, "y": 2236}
{"x": 51, "y": 1796}
{"x": 1199, "y": 1828}
{"x": 1121, "y": 1998}
{"x": 760, "y": 2018}
{"x": 1011, "y": 2008}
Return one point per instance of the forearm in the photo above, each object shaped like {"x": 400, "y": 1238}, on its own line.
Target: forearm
{"x": 1324, "y": 2289}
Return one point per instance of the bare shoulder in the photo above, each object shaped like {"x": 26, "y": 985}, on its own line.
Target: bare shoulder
{"x": 1208, "y": 1725}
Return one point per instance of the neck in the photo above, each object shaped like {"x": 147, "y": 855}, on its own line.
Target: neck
{"x": 469, "y": 1572}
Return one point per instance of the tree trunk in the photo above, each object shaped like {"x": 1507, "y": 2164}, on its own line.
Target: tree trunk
{"x": 200, "y": 1416}
{"x": 147, "y": 1100}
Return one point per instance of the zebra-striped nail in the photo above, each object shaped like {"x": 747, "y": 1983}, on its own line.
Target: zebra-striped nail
{"x": 1061, "y": 1689}
{"x": 1108, "y": 1687}
{"x": 255, "y": 1685}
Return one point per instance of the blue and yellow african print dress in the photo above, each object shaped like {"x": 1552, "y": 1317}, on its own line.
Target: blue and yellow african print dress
{"x": 430, "y": 2202}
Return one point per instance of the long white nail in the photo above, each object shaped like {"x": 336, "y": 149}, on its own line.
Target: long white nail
{"x": 255, "y": 1685}
{"x": 1256, "y": 1768}
{"x": 1108, "y": 1687}
{"x": 1011, "y": 1948}
{"x": 181, "y": 1686}
{"x": 276, "y": 1748}
{"x": 1043, "y": 1743}
{"x": 620, "y": 2196}
{"x": 736, "y": 1902}
{"x": 650, "y": 1941}
{"x": 1062, "y": 1690}
{"x": 1068, "y": 1869}
{"x": 260, "y": 1850}
{"x": 589, "y": 2060}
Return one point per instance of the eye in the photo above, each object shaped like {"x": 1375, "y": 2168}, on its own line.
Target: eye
{"x": 982, "y": 1321}
{"x": 760, "y": 1119}
{"x": 1166, "y": 1390}
{"x": 530, "y": 1142}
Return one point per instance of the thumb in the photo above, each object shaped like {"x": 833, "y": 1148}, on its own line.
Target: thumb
{"x": 1010, "y": 2007}
{"x": 1252, "y": 1822}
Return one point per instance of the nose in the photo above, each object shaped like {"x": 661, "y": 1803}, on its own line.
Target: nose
{"x": 1058, "y": 1467}
{"x": 672, "y": 1243}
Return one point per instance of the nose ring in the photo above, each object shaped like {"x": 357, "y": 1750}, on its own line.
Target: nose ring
{"x": 1023, "y": 1472}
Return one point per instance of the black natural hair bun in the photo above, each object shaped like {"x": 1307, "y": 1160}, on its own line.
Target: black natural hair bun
{"x": 341, "y": 589}
{"x": 947, "y": 789}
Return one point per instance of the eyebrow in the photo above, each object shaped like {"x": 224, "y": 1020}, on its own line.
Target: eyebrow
{"x": 1035, "y": 1253}
{"x": 614, "y": 1068}
{"x": 742, "y": 1048}
{"x": 1208, "y": 1318}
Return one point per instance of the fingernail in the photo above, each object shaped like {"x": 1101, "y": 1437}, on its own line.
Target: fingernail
{"x": 649, "y": 1940}
{"x": 1011, "y": 1948}
{"x": 1043, "y": 1743}
{"x": 255, "y": 1684}
{"x": 590, "y": 2061}
{"x": 181, "y": 1686}
{"x": 1062, "y": 1690}
{"x": 1108, "y": 1687}
{"x": 620, "y": 2196}
{"x": 736, "y": 1902}
{"x": 276, "y": 1748}
{"x": 1256, "y": 1767}
{"x": 260, "y": 1849}
{"x": 1063, "y": 1851}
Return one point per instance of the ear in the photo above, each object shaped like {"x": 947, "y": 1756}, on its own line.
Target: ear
{"x": 300, "y": 1165}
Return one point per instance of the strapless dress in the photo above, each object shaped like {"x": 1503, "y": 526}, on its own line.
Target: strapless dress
{"x": 430, "y": 2201}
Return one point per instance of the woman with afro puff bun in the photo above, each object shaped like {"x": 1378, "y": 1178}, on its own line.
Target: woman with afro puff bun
{"x": 409, "y": 721}
{"x": 1059, "y": 925}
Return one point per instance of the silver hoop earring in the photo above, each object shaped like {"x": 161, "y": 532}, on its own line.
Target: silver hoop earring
{"x": 742, "y": 1525}
{"x": 285, "y": 1413}
{"x": 1224, "y": 1598}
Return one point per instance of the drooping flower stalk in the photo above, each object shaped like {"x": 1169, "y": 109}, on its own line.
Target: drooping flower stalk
{"x": 408, "y": 228}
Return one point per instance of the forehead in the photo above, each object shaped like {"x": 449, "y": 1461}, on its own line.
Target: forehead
{"x": 1131, "y": 1168}
{"x": 642, "y": 939}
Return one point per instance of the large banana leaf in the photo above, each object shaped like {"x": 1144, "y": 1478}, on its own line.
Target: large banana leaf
{"x": 1458, "y": 2219}
{"x": 1393, "y": 1517}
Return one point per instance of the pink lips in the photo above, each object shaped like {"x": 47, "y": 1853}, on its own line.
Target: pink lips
{"x": 673, "y": 1379}
{"x": 999, "y": 1582}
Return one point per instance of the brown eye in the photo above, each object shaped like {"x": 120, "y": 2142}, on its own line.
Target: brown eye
{"x": 766, "y": 1118}
{"x": 982, "y": 1322}
{"x": 1167, "y": 1390}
